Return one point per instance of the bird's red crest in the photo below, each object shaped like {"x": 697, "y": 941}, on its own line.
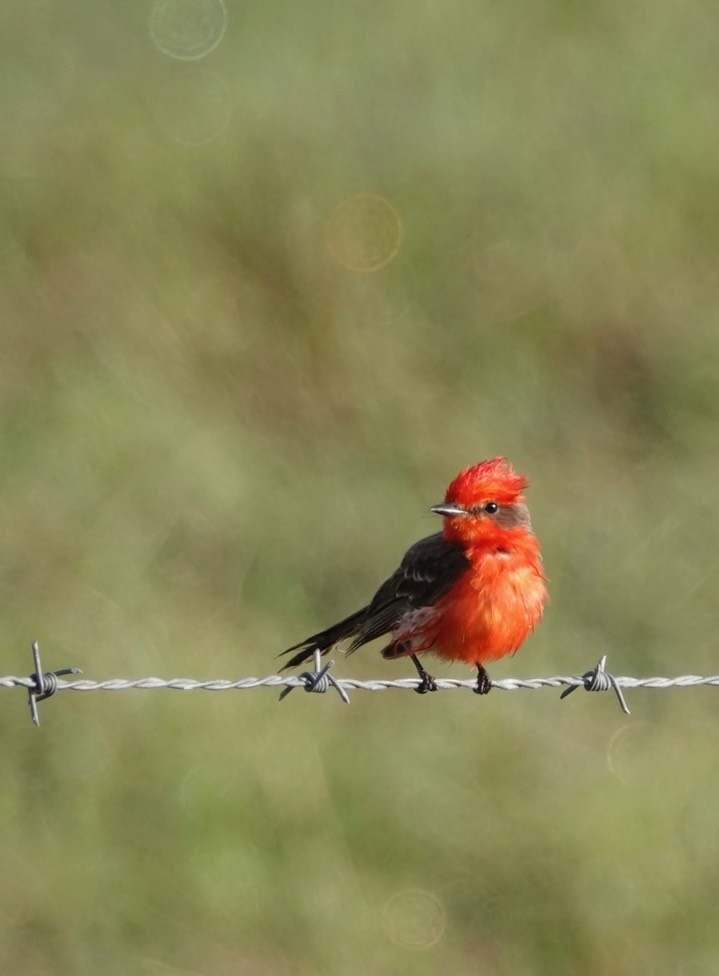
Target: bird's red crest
{"x": 494, "y": 480}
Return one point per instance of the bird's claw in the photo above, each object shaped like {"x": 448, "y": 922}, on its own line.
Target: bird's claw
{"x": 426, "y": 683}
{"x": 484, "y": 682}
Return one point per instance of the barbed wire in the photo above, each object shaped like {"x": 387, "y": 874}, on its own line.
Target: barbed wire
{"x": 42, "y": 685}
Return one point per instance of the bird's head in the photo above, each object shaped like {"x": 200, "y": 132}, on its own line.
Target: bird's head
{"x": 483, "y": 501}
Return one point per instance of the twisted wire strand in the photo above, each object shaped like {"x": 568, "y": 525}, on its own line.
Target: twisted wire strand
{"x": 353, "y": 684}
{"x": 42, "y": 685}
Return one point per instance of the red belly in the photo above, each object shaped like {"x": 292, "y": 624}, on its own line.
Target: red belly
{"x": 490, "y": 614}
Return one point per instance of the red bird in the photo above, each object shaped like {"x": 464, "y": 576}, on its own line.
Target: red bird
{"x": 472, "y": 592}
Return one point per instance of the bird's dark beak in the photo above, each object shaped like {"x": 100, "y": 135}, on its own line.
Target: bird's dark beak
{"x": 446, "y": 508}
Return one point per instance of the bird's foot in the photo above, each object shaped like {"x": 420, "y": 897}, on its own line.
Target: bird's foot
{"x": 426, "y": 681}
{"x": 484, "y": 682}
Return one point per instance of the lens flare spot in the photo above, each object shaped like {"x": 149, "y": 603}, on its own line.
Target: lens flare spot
{"x": 188, "y": 29}
{"x": 414, "y": 918}
{"x": 363, "y": 233}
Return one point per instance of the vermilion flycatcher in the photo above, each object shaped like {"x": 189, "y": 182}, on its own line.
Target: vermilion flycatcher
{"x": 472, "y": 592}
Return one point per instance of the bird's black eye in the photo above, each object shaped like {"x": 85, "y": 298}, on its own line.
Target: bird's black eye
{"x": 490, "y": 507}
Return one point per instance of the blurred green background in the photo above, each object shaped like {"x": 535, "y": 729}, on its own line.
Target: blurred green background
{"x": 271, "y": 275}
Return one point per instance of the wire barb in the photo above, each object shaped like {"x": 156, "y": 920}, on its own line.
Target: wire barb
{"x": 44, "y": 685}
{"x": 598, "y": 679}
{"x": 318, "y": 680}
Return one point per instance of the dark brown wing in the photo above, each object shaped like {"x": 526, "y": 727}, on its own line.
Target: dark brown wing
{"x": 425, "y": 574}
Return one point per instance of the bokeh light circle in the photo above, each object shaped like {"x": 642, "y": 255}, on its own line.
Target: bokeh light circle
{"x": 627, "y": 751}
{"x": 193, "y": 109}
{"x": 414, "y": 918}
{"x": 364, "y": 232}
{"x": 188, "y": 29}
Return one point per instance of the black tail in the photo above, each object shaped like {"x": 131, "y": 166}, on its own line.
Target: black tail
{"x": 325, "y": 640}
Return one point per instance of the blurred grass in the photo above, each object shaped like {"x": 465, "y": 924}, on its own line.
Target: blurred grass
{"x": 214, "y": 438}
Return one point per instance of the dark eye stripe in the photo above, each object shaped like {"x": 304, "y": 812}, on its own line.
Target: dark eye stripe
{"x": 506, "y": 516}
{"x": 484, "y": 509}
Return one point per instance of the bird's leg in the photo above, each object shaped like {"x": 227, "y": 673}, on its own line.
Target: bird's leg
{"x": 484, "y": 682}
{"x": 427, "y": 682}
